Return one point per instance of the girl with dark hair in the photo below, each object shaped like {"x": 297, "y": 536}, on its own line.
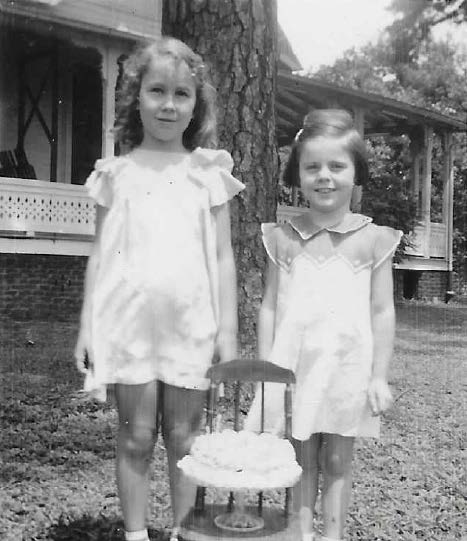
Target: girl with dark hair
{"x": 327, "y": 314}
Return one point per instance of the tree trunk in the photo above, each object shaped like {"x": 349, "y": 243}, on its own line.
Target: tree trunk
{"x": 238, "y": 40}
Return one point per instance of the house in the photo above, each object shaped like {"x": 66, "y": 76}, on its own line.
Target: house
{"x": 59, "y": 65}
{"x": 59, "y": 69}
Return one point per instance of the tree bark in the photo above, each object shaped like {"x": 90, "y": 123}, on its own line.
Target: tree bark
{"x": 238, "y": 40}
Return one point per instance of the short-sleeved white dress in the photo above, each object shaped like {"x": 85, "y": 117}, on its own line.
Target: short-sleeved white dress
{"x": 323, "y": 323}
{"x": 155, "y": 298}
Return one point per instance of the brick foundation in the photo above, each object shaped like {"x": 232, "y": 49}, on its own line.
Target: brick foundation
{"x": 420, "y": 285}
{"x": 46, "y": 287}
{"x": 50, "y": 287}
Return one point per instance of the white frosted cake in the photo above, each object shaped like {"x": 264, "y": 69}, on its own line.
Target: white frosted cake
{"x": 230, "y": 459}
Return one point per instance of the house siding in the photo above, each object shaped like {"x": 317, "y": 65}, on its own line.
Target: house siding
{"x": 119, "y": 17}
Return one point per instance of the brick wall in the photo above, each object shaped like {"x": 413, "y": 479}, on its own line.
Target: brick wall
{"x": 50, "y": 287}
{"x": 44, "y": 287}
{"x": 432, "y": 284}
{"x": 423, "y": 285}
{"x": 398, "y": 279}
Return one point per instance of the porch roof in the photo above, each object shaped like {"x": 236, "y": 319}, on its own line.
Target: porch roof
{"x": 297, "y": 94}
{"x": 109, "y": 18}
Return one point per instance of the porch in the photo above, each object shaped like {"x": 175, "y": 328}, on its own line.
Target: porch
{"x": 379, "y": 116}
{"x": 63, "y": 58}
{"x": 59, "y": 69}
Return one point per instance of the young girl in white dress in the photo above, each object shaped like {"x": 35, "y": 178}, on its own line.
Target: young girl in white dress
{"x": 328, "y": 314}
{"x": 160, "y": 289}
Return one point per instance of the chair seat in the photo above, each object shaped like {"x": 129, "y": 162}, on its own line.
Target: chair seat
{"x": 249, "y": 370}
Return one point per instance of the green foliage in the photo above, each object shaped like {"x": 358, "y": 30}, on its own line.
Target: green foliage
{"x": 436, "y": 81}
{"x": 387, "y": 198}
{"x": 460, "y": 222}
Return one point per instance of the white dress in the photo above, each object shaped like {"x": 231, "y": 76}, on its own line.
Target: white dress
{"x": 155, "y": 298}
{"x": 323, "y": 323}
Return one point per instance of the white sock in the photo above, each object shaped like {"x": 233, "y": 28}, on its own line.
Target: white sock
{"x": 140, "y": 535}
{"x": 174, "y": 533}
{"x": 308, "y": 536}
{"x": 329, "y": 539}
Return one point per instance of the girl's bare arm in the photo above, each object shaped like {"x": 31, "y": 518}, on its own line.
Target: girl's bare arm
{"x": 383, "y": 326}
{"x": 89, "y": 280}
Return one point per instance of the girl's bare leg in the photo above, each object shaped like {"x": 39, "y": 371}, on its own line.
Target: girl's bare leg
{"x": 182, "y": 413}
{"x": 337, "y": 482}
{"x": 137, "y": 408}
{"x": 306, "y": 491}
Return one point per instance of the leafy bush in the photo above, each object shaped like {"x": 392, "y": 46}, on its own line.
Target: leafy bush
{"x": 387, "y": 197}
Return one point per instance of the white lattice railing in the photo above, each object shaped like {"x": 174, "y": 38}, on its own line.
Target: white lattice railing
{"x": 34, "y": 207}
{"x": 435, "y": 247}
{"x": 438, "y": 240}
{"x": 30, "y": 207}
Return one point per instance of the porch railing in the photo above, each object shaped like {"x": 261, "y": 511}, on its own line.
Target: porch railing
{"x": 46, "y": 209}
{"x": 427, "y": 242}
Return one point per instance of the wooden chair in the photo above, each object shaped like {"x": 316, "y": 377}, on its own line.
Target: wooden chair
{"x": 14, "y": 164}
{"x": 8, "y": 164}
{"x": 24, "y": 168}
{"x": 199, "y": 525}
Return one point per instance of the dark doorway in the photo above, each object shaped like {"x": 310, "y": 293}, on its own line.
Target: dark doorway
{"x": 87, "y": 120}
{"x": 410, "y": 284}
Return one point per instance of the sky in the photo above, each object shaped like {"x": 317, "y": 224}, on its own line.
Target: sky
{"x": 321, "y": 30}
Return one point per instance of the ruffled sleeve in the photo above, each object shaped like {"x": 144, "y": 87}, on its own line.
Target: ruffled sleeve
{"x": 213, "y": 168}
{"x": 100, "y": 182}
{"x": 386, "y": 242}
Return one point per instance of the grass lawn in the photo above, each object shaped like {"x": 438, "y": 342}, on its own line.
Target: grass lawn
{"x": 57, "y": 448}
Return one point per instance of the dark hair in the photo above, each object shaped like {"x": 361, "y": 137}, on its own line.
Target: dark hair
{"x": 328, "y": 123}
{"x": 128, "y": 128}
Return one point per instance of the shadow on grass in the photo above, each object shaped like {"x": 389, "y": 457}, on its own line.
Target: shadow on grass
{"x": 87, "y": 528}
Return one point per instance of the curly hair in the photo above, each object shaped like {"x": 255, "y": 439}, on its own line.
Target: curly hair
{"x": 128, "y": 129}
{"x": 336, "y": 123}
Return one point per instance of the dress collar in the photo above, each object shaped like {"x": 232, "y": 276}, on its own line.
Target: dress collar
{"x": 307, "y": 229}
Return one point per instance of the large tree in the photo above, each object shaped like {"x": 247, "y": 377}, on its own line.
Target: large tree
{"x": 238, "y": 38}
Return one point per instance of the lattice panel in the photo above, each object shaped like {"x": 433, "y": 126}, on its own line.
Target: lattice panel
{"x": 45, "y": 209}
{"x": 438, "y": 240}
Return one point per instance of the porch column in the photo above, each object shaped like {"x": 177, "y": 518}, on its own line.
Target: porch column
{"x": 359, "y": 122}
{"x": 416, "y": 151}
{"x": 426, "y": 188}
{"x": 109, "y": 81}
{"x": 448, "y": 194}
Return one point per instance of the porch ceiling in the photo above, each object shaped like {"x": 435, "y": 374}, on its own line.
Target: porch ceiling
{"x": 296, "y": 95}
